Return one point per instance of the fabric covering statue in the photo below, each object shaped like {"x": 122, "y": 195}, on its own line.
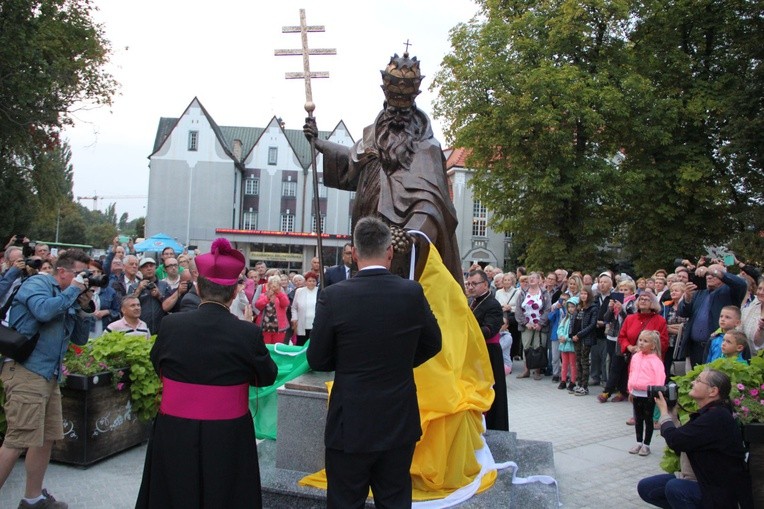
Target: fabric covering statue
{"x": 397, "y": 169}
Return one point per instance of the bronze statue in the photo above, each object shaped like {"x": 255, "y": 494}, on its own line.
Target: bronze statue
{"x": 397, "y": 170}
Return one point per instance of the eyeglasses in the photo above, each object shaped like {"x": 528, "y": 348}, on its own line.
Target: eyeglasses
{"x": 699, "y": 381}
{"x": 171, "y": 265}
{"x": 470, "y": 283}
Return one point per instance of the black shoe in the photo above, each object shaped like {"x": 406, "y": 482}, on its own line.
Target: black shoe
{"x": 571, "y": 387}
{"x": 562, "y": 385}
{"x": 555, "y": 379}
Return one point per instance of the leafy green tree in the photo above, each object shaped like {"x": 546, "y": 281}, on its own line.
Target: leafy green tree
{"x": 611, "y": 128}
{"x": 695, "y": 144}
{"x": 52, "y": 56}
{"x": 531, "y": 89}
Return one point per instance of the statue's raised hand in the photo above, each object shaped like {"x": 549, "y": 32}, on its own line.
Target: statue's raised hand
{"x": 310, "y": 129}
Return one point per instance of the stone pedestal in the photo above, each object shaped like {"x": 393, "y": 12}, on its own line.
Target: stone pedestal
{"x": 301, "y": 422}
{"x": 299, "y": 451}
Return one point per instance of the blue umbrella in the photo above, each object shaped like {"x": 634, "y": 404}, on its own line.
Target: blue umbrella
{"x": 157, "y": 243}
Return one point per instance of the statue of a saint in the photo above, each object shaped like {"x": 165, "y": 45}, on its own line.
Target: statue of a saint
{"x": 397, "y": 169}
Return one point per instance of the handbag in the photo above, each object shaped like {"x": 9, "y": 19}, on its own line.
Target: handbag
{"x": 13, "y": 344}
{"x": 535, "y": 358}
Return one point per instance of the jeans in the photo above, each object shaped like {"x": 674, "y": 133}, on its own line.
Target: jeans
{"x": 666, "y": 491}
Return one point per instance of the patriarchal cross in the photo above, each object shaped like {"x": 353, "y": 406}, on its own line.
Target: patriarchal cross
{"x": 310, "y": 106}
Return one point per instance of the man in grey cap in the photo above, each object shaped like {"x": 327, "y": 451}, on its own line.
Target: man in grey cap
{"x": 157, "y": 298}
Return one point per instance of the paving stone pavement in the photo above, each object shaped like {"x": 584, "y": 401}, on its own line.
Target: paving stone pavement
{"x": 590, "y": 441}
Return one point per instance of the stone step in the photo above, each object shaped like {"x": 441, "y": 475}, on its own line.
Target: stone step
{"x": 280, "y": 489}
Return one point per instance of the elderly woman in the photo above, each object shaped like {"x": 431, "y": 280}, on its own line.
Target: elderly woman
{"x": 272, "y": 304}
{"x": 304, "y": 308}
{"x": 532, "y": 314}
{"x": 752, "y": 321}
{"x": 647, "y": 317}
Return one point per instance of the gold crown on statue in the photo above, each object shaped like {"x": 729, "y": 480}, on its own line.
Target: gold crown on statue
{"x": 400, "y": 81}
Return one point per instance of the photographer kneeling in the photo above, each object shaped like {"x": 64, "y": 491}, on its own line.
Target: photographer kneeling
{"x": 712, "y": 443}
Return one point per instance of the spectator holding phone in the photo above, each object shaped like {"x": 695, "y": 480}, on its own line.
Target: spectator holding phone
{"x": 702, "y": 308}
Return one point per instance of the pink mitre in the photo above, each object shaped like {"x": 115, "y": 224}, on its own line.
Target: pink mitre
{"x": 222, "y": 265}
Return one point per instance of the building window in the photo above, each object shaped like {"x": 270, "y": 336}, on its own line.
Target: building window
{"x": 193, "y": 140}
{"x": 252, "y": 186}
{"x": 287, "y": 222}
{"x": 289, "y": 188}
{"x": 479, "y": 219}
{"x": 273, "y": 155}
{"x": 313, "y": 223}
{"x": 352, "y": 195}
{"x": 249, "y": 220}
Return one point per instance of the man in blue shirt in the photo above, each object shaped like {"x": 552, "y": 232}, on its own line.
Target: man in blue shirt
{"x": 51, "y": 306}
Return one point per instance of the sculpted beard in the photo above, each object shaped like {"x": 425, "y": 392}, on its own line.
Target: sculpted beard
{"x": 396, "y": 134}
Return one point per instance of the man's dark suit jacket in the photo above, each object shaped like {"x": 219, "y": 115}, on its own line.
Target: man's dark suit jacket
{"x": 372, "y": 330}
{"x": 334, "y": 274}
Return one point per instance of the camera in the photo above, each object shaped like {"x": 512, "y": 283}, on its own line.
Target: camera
{"x": 670, "y": 392}
{"x": 96, "y": 281}
{"x": 19, "y": 239}
{"x": 151, "y": 286}
{"x": 33, "y": 263}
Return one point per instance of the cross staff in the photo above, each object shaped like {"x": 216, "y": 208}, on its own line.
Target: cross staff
{"x": 310, "y": 106}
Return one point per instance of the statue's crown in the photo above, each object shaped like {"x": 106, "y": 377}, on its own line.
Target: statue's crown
{"x": 400, "y": 81}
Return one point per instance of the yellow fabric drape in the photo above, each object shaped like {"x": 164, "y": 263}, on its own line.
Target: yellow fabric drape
{"x": 454, "y": 388}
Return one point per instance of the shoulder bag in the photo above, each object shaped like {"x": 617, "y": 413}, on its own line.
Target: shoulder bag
{"x": 13, "y": 344}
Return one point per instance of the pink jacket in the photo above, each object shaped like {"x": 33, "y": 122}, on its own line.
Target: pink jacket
{"x": 282, "y": 303}
{"x": 645, "y": 370}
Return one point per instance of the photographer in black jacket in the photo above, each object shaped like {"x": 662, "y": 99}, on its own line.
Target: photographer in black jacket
{"x": 714, "y": 446}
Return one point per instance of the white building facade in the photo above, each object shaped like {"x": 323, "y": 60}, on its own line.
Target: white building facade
{"x": 253, "y": 185}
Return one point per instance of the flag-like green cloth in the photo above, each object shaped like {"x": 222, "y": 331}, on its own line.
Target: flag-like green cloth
{"x": 263, "y": 401}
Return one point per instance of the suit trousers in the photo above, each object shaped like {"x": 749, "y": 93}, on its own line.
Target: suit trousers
{"x": 350, "y": 475}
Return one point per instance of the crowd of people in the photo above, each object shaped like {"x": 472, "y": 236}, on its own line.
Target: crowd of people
{"x": 610, "y": 330}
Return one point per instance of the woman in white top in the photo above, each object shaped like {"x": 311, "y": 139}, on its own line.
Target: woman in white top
{"x": 752, "y": 321}
{"x": 304, "y": 308}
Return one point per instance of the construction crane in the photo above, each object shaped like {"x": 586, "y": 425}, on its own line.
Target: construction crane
{"x": 96, "y": 197}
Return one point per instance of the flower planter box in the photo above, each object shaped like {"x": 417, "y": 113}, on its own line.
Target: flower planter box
{"x": 98, "y": 420}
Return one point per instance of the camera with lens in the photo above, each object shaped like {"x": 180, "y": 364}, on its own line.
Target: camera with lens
{"x": 151, "y": 286}
{"x": 670, "y": 392}
{"x": 33, "y": 263}
{"x": 100, "y": 281}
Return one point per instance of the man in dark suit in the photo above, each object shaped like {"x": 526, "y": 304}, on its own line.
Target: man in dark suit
{"x": 340, "y": 272}
{"x": 372, "y": 330}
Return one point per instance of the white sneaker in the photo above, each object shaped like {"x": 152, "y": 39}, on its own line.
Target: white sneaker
{"x": 635, "y": 449}
{"x": 645, "y": 450}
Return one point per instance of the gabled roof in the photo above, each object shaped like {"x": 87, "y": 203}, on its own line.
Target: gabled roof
{"x": 457, "y": 158}
{"x": 166, "y": 126}
{"x": 249, "y": 136}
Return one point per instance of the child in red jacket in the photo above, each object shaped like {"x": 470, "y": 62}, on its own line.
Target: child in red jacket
{"x": 646, "y": 368}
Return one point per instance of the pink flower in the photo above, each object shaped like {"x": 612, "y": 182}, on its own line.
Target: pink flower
{"x": 736, "y": 401}
{"x": 120, "y": 386}
{"x": 741, "y": 387}
{"x": 744, "y": 409}
{"x": 753, "y": 392}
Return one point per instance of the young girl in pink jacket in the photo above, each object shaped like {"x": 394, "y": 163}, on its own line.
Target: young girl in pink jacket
{"x": 645, "y": 368}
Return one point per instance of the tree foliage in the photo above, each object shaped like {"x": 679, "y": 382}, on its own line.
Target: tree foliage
{"x": 52, "y": 58}
{"x": 549, "y": 95}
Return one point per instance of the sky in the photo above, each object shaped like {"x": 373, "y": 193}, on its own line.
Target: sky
{"x": 167, "y": 52}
